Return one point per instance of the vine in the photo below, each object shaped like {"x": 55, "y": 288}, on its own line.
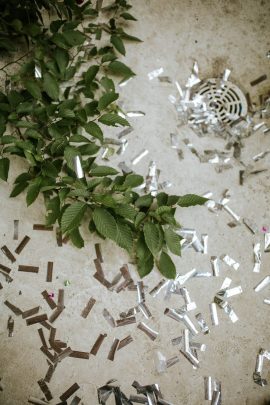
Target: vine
{"x": 54, "y": 111}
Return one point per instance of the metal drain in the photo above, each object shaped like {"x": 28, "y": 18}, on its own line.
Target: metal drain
{"x": 225, "y": 100}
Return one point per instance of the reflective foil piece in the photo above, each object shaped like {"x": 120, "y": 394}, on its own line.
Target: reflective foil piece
{"x": 267, "y": 242}
{"x": 155, "y": 73}
{"x": 205, "y": 243}
{"x": 213, "y": 313}
{"x": 151, "y": 333}
{"x": 262, "y": 284}
{"x": 78, "y": 167}
{"x": 152, "y": 179}
{"x": 257, "y": 257}
{"x": 139, "y": 157}
{"x": 208, "y": 388}
{"x": 250, "y": 225}
{"x": 160, "y": 362}
{"x": 38, "y": 73}
{"x": 132, "y": 114}
{"x": 230, "y": 262}
{"x": 202, "y": 324}
{"x": 215, "y": 265}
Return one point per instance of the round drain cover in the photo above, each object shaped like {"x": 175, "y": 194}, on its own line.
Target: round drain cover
{"x": 226, "y": 101}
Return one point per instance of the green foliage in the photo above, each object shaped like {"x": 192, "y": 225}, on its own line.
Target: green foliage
{"x": 54, "y": 109}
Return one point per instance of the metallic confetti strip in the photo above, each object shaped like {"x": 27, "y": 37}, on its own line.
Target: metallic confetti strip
{"x": 78, "y": 167}
{"x": 215, "y": 265}
{"x": 262, "y": 284}
{"x": 139, "y": 157}
{"x": 230, "y": 262}
{"x": 151, "y": 333}
{"x": 155, "y": 73}
{"x": 213, "y": 313}
{"x": 16, "y": 229}
{"x": 132, "y": 114}
{"x": 152, "y": 179}
{"x": 202, "y": 323}
{"x": 257, "y": 257}
{"x": 257, "y": 375}
{"x": 250, "y": 225}
{"x": 267, "y": 242}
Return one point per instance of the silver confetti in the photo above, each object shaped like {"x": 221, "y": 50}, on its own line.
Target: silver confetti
{"x": 230, "y": 262}
{"x": 16, "y": 229}
{"x": 160, "y": 362}
{"x": 140, "y": 292}
{"x": 267, "y": 242}
{"x": 108, "y": 317}
{"x": 151, "y": 333}
{"x": 205, "y": 243}
{"x": 155, "y": 73}
{"x": 125, "y": 82}
{"x": 208, "y": 388}
{"x": 266, "y": 301}
{"x": 215, "y": 265}
{"x": 140, "y": 156}
{"x": 78, "y": 167}
{"x": 164, "y": 79}
{"x": 38, "y": 73}
{"x": 213, "y": 313}
{"x": 132, "y": 114}
{"x": 262, "y": 284}
{"x": 202, "y": 323}
{"x": 144, "y": 310}
{"x": 257, "y": 257}
{"x": 125, "y": 132}
{"x": 260, "y": 155}
{"x": 233, "y": 291}
{"x": 152, "y": 179}
{"x": 250, "y": 225}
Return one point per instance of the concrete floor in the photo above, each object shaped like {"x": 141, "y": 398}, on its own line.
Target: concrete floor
{"x": 218, "y": 34}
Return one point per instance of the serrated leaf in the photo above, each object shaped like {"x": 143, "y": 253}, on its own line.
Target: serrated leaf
{"x": 189, "y": 200}
{"x": 53, "y": 210}
{"x": 33, "y": 191}
{"x": 76, "y": 238}
{"x": 62, "y": 59}
{"x": 49, "y": 169}
{"x": 139, "y": 218}
{"x": 50, "y": 86}
{"x": 119, "y": 68}
{"x": 72, "y": 216}
{"x": 105, "y": 223}
{"x": 128, "y": 16}
{"x": 133, "y": 180}
{"x": 145, "y": 260}
{"x": 162, "y": 209}
{"x": 144, "y": 201}
{"x": 124, "y": 237}
{"x": 101, "y": 171}
{"x": 93, "y": 129}
{"x": 173, "y": 241}
{"x": 90, "y": 74}
{"x": 106, "y": 100}
{"x": 166, "y": 266}
{"x": 69, "y": 155}
{"x": 126, "y": 211}
{"x": 118, "y": 44}
{"x": 73, "y": 37}
{"x": 172, "y": 200}
{"x": 4, "y": 168}
{"x": 33, "y": 88}
{"x": 89, "y": 149}
{"x": 113, "y": 120}
{"x": 152, "y": 237}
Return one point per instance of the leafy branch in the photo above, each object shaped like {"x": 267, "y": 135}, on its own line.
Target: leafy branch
{"x": 57, "y": 110}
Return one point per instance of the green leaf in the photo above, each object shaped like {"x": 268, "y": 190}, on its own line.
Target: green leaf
{"x": 72, "y": 216}
{"x": 49, "y": 169}
{"x": 173, "y": 241}
{"x": 18, "y": 189}
{"x": 33, "y": 88}
{"x": 139, "y": 218}
{"x": 106, "y": 100}
{"x": 189, "y": 200}
{"x": 126, "y": 211}
{"x": 90, "y": 149}
{"x": 73, "y": 37}
{"x": 118, "y": 44}
{"x": 153, "y": 237}
{"x": 145, "y": 260}
{"x": 4, "y": 168}
{"x": 51, "y": 86}
{"x": 105, "y": 223}
{"x": 133, "y": 180}
{"x": 69, "y": 155}
{"x": 101, "y": 171}
{"x": 166, "y": 266}
{"x": 144, "y": 201}
{"x": 62, "y": 59}
{"x": 76, "y": 238}
{"x": 128, "y": 16}
{"x": 124, "y": 237}
{"x": 113, "y": 120}
{"x": 53, "y": 210}
{"x": 93, "y": 129}
{"x": 90, "y": 74}
{"x": 108, "y": 84}
{"x": 33, "y": 191}
{"x": 119, "y": 68}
